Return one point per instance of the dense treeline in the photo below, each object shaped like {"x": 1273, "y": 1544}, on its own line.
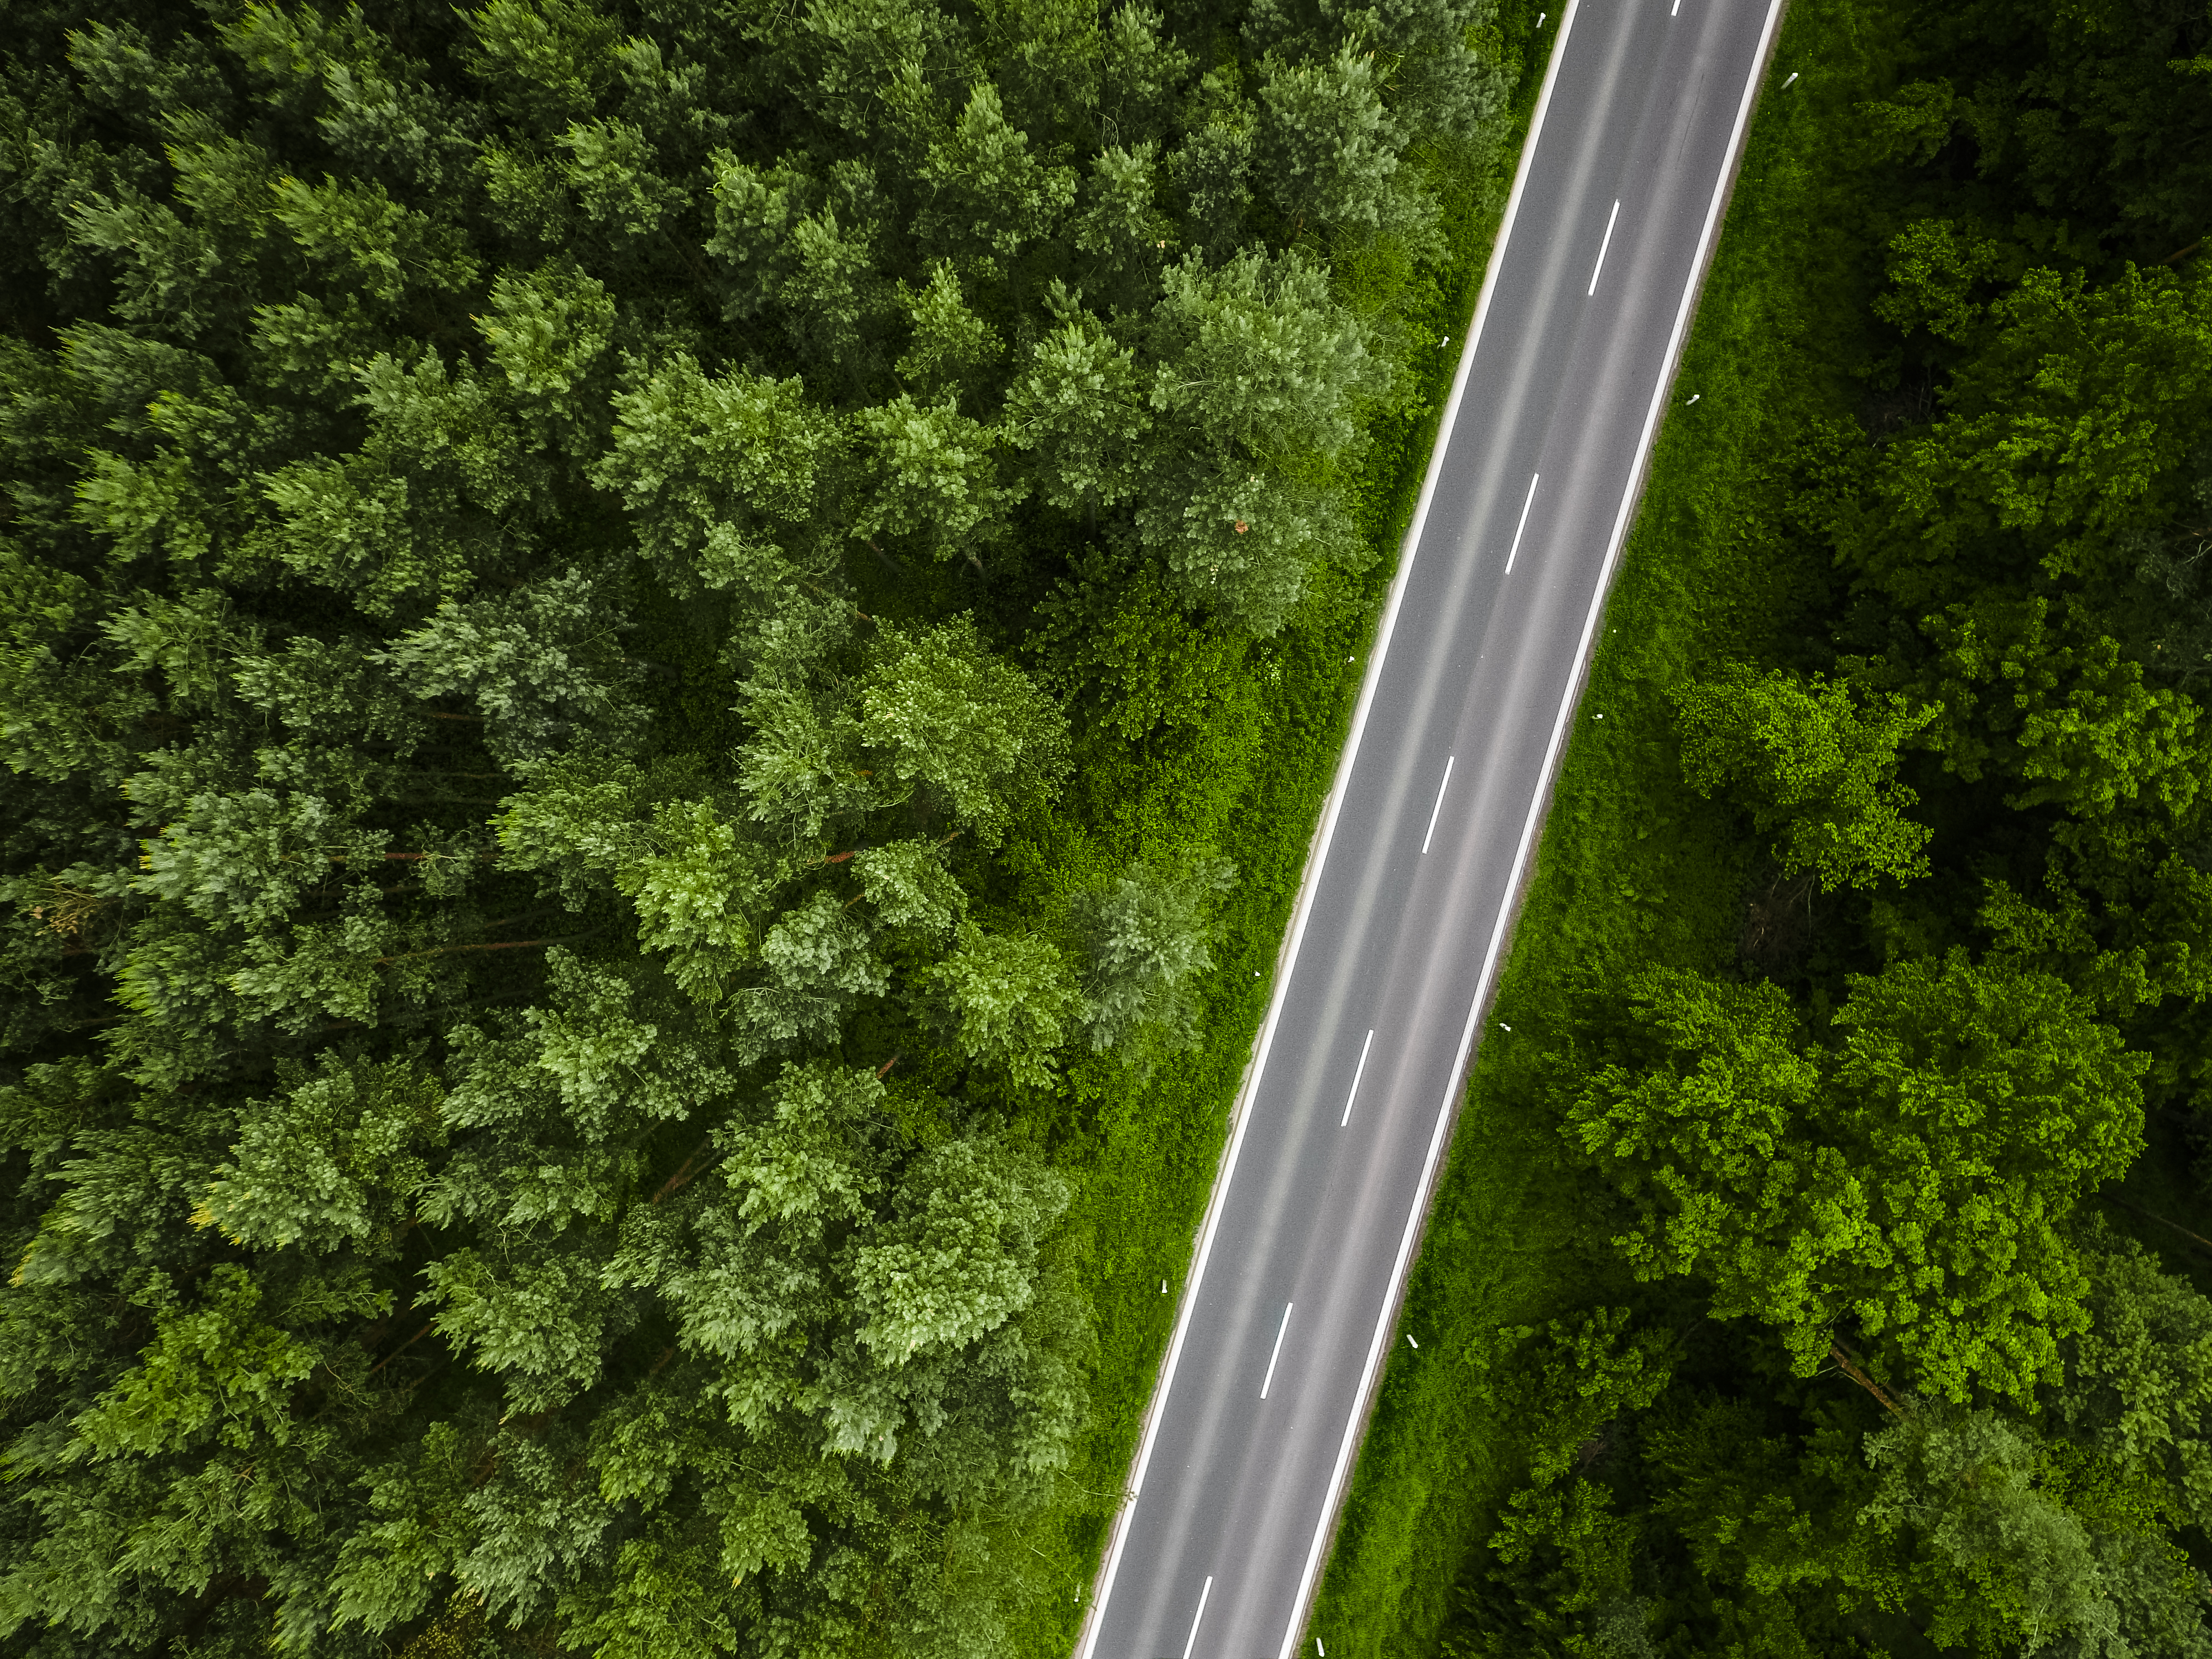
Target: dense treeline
{"x": 520, "y": 1017}
{"x": 1879, "y": 1368}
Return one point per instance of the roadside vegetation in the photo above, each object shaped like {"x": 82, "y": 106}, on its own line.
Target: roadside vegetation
{"x": 667, "y": 669}
{"x": 1821, "y": 1264}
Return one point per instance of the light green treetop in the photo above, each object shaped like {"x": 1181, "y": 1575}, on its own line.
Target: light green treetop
{"x": 1916, "y": 1181}
{"x": 1814, "y": 761}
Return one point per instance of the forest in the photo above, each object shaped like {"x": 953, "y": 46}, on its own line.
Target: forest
{"x": 667, "y": 665}
{"x": 1824, "y": 1270}
{"x": 636, "y": 637}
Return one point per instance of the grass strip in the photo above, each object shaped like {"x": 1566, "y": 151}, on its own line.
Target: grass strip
{"x": 1250, "y": 783}
{"x": 1633, "y": 869}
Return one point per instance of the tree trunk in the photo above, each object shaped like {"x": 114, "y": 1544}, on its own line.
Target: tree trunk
{"x": 1851, "y": 1368}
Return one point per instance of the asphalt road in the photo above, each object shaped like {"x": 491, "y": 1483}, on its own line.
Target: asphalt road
{"x": 1293, "y": 1295}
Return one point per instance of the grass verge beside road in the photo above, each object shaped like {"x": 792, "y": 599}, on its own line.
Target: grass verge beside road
{"x": 1633, "y": 869}
{"x": 1248, "y": 783}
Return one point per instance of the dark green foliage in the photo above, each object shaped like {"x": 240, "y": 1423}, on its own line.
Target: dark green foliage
{"x": 1567, "y": 1583}
{"x": 557, "y": 568}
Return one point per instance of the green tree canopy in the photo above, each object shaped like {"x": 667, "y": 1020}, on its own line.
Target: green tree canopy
{"x": 1912, "y": 1184}
{"x": 1814, "y": 761}
{"x": 531, "y": 994}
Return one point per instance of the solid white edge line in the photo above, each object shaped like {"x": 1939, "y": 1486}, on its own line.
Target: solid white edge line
{"x": 1514, "y": 551}
{"x": 1204, "y": 1592}
{"x": 1602, "y": 247}
{"x": 1281, "y": 1331}
{"x": 1437, "y": 1138}
{"x": 1438, "y": 808}
{"x": 1094, "y": 1620}
{"x": 1359, "y": 1072}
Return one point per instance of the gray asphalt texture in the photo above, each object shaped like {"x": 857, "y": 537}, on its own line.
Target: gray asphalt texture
{"x": 1318, "y": 1216}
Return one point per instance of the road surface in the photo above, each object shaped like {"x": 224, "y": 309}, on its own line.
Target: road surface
{"x": 1292, "y": 1296}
